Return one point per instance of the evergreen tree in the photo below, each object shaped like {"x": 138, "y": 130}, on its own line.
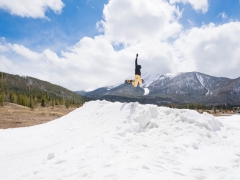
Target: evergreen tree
{"x": 1, "y": 76}
{"x": 43, "y": 103}
{"x": 11, "y": 97}
{"x": 53, "y": 102}
{"x": 1, "y": 99}
{"x": 67, "y": 104}
{"x": 18, "y": 99}
{"x": 31, "y": 102}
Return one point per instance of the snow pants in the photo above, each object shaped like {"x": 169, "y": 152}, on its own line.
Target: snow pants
{"x": 137, "y": 80}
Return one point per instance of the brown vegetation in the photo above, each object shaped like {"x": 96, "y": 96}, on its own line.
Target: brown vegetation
{"x": 14, "y": 115}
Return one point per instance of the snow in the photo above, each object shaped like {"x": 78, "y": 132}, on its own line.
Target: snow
{"x": 172, "y": 75}
{"x": 146, "y": 91}
{"x": 105, "y": 140}
{"x": 201, "y": 80}
{"x": 149, "y": 78}
{"x": 113, "y": 86}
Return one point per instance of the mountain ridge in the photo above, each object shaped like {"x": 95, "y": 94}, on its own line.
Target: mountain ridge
{"x": 30, "y": 86}
{"x": 179, "y": 88}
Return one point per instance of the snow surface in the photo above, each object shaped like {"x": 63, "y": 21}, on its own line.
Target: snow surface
{"x": 201, "y": 80}
{"x": 146, "y": 91}
{"x": 172, "y": 75}
{"x": 113, "y": 86}
{"x": 104, "y": 140}
{"x": 149, "y": 78}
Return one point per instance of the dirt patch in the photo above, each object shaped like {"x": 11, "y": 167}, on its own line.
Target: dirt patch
{"x": 14, "y": 116}
{"x": 219, "y": 113}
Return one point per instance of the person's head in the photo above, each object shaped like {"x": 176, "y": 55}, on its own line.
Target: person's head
{"x": 139, "y": 66}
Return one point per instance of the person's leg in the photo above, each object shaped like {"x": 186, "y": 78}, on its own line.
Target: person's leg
{"x": 135, "y": 82}
{"x": 140, "y": 81}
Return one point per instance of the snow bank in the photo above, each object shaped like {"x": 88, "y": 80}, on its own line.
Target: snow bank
{"x": 190, "y": 116}
{"x": 104, "y": 140}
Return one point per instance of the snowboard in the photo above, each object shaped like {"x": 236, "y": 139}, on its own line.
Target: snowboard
{"x": 130, "y": 81}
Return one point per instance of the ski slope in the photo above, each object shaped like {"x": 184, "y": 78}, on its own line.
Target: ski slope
{"x": 119, "y": 141}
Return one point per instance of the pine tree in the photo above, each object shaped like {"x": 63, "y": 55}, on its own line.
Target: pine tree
{"x": 43, "y": 103}
{"x": 18, "y": 99}
{"x": 67, "y": 104}
{"x": 31, "y": 102}
{"x": 11, "y": 97}
{"x": 1, "y": 99}
{"x": 53, "y": 102}
{"x": 1, "y": 76}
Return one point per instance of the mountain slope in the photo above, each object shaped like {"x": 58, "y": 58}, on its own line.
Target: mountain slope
{"x": 190, "y": 87}
{"x": 30, "y": 85}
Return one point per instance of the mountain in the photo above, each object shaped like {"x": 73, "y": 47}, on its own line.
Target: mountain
{"x": 178, "y": 88}
{"x": 29, "y": 85}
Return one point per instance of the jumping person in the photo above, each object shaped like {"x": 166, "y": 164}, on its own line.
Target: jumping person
{"x": 137, "y": 79}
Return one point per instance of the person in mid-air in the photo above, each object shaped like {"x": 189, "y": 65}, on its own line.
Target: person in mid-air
{"x": 137, "y": 79}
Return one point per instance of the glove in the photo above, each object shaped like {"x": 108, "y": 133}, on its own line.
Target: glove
{"x": 136, "y": 55}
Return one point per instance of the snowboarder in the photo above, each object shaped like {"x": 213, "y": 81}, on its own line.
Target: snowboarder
{"x": 137, "y": 79}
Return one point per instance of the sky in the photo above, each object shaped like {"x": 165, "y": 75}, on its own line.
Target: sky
{"x": 84, "y": 45}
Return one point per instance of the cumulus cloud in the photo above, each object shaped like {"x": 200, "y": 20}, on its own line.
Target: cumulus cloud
{"x": 211, "y": 49}
{"x": 150, "y": 28}
{"x": 131, "y": 22}
{"x": 89, "y": 64}
{"x": 198, "y": 5}
{"x": 31, "y": 8}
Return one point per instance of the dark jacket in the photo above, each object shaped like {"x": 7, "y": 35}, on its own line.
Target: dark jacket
{"x": 137, "y": 68}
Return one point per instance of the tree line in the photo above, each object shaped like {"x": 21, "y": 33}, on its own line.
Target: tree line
{"x": 31, "y": 99}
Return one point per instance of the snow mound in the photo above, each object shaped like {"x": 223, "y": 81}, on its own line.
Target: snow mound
{"x": 105, "y": 140}
{"x": 204, "y": 120}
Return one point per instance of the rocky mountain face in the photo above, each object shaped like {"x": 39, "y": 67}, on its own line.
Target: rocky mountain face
{"x": 179, "y": 88}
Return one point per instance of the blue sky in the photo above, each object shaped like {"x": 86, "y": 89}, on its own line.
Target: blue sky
{"x": 78, "y": 43}
{"x": 214, "y": 14}
{"x": 56, "y": 31}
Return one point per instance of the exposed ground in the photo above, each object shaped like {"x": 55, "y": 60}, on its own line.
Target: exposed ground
{"x": 13, "y": 115}
{"x": 219, "y": 112}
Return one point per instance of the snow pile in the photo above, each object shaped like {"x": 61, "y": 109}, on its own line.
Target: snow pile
{"x": 104, "y": 140}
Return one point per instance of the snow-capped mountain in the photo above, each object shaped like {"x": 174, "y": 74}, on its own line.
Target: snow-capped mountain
{"x": 188, "y": 87}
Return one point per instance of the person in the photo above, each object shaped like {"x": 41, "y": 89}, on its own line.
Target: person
{"x": 137, "y": 79}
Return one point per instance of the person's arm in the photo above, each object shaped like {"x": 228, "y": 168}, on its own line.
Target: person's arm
{"x": 136, "y": 61}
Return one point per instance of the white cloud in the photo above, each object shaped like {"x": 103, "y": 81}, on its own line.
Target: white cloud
{"x": 89, "y": 64}
{"x": 31, "y": 8}
{"x": 223, "y": 15}
{"x": 198, "y": 5}
{"x": 211, "y": 49}
{"x": 130, "y": 22}
{"x": 24, "y": 52}
{"x": 144, "y": 27}
{"x": 191, "y": 23}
